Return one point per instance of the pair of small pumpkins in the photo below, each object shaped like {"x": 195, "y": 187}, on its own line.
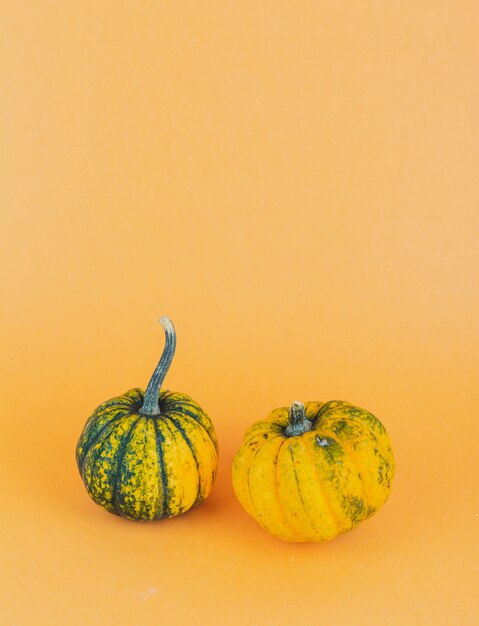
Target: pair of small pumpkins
{"x": 306, "y": 473}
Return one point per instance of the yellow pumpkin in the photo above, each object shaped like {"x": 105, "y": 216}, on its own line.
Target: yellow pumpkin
{"x": 147, "y": 455}
{"x": 314, "y": 470}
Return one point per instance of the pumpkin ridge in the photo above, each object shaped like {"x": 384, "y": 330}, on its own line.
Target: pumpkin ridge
{"x": 247, "y": 479}
{"x": 100, "y": 431}
{"x": 165, "y": 421}
{"x": 174, "y": 404}
{"x": 281, "y": 414}
{"x": 347, "y": 452}
{"x": 121, "y": 458}
{"x": 162, "y": 471}
{"x": 164, "y": 395}
{"x": 179, "y": 404}
{"x": 278, "y": 497}
{"x": 168, "y": 427}
{"x": 363, "y": 417}
{"x": 97, "y": 452}
{"x": 190, "y": 445}
{"x": 296, "y": 533}
{"x": 363, "y": 427}
{"x": 257, "y": 490}
{"x": 327, "y": 407}
{"x": 192, "y": 416}
{"x": 313, "y": 525}
{"x": 321, "y": 487}
{"x": 113, "y": 402}
{"x": 184, "y": 399}
{"x": 134, "y": 395}
{"x": 97, "y": 414}
{"x": 271, "y": 435}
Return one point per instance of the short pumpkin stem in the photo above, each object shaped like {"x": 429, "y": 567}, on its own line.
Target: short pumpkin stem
{"x": 150, "y": 404}
{"x": 298, "y": 422}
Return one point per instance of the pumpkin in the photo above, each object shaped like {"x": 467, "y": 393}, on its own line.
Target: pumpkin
{"x": 149, "y": 455}
{"x": 314, "y": 470}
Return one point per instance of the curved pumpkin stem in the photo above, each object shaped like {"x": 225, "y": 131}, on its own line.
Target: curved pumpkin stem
{"x": 298, "y": 422}
{"x": 150, "y": 404}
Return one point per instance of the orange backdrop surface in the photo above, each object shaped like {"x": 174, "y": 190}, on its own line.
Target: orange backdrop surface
{"x": 296, "y": 185}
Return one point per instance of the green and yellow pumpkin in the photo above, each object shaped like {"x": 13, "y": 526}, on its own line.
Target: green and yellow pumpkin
{"x": 314, "y": 470}
{"x": 149, "y": 455}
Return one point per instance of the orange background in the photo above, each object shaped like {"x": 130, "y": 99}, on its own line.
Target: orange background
{"x": 295, "y": 184}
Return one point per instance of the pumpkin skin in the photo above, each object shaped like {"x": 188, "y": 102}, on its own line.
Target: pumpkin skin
{"x": 149, "y": 455}
{"x": 316, "y": 479}
{"x": 146, "y": 468}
